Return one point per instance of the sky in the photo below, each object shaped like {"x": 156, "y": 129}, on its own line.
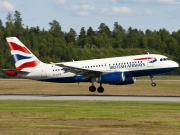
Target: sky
{"x": 138, "y": 14}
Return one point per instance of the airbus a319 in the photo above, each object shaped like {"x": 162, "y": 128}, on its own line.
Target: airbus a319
{"x": 113, "y": 71}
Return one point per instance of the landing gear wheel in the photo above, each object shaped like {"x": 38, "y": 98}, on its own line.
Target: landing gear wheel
{"x": 152, "y": 80}
{"x": 153, "y": 84}
{"x": 100, "y": 89}
{"x": 92, "y": 88}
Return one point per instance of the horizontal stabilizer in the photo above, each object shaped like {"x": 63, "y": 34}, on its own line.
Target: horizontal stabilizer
{"x": 13, "y": 72}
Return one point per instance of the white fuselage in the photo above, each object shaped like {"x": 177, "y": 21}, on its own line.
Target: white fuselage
{"x": 132, "y": 66}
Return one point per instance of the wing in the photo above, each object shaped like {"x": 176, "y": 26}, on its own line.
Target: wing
{"x": 86, "y": 73}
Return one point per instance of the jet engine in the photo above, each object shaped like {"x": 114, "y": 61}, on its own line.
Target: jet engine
{"x": 111, "y": 78}
{"x": 128, "y": 80}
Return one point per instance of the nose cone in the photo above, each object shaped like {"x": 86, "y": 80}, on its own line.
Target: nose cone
{"x": 174, "y": 64}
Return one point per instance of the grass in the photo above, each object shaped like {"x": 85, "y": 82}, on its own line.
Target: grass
{"x": 83, "y": 117}
{"x": 141, "y": 87}
{"x": 19, "y": 117}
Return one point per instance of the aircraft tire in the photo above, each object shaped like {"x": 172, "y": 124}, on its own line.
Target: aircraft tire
{"x": 92, "y": 88}
{"x": 153, "y": 84}
{"x": 100, "y": 89}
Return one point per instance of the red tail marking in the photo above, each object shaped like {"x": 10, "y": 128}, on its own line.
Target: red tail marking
{"x": 28, "y": 64}
{"x": 14, "y": 46}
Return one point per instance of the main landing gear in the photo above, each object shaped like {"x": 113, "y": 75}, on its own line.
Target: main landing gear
{"x": 100, "y": 89}
{"x": 92, "y": 88}
{"x": 152, "y": 80}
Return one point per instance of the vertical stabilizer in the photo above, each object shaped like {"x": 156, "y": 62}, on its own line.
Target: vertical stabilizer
{"x": 22, "y": 56}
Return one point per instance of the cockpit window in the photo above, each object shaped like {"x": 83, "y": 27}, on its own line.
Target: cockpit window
{"x": 164, "y": 59}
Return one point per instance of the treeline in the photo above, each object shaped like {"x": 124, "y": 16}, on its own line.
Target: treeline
{"x": 55, "y": 45}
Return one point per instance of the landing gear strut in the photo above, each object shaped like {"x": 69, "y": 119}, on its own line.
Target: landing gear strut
{"x": 92, "y": 88}
{"x": 152, "y": 80}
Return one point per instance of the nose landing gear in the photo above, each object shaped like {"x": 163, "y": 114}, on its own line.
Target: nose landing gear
{"x": 153, "y": 84}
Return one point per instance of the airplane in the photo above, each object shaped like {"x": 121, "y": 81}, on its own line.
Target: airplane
{"x": 113, "y": 71}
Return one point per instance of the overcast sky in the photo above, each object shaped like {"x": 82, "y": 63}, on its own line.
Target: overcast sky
{"x": 140, "y": 14}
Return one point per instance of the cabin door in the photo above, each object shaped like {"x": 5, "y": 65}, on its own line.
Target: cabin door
{"x": 150, "y": 62}
{"x": 43, "y": 71}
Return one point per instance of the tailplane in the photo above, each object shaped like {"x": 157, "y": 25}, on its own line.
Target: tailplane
{"x": 22, "y": 56}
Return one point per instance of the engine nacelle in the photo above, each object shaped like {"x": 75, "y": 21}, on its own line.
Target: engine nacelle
{"x": 111, "y": 78}
{"x": 128, "y": 80}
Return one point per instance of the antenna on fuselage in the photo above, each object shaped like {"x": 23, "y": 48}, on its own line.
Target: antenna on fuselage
{"x": 148, "y": 53}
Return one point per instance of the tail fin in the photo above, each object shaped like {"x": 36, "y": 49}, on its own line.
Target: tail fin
{"x": 23, "y": 57}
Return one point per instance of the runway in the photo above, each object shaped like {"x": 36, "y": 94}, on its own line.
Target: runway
{"x": 91, "y": 98}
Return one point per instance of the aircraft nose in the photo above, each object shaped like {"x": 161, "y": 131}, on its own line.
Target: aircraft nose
{"x": 174, "y": 64}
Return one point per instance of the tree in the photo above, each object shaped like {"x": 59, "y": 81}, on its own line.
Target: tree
{"x": 104, "y": 29}
{"x": 55, "y": 29}
{"x": 82, "y": 37}
{"x": 70, "y": 37}
{"x": 132, "y": 38}
{"x": 119, "y": 35}
{"x": 9, "y": 18}
{"x": 9, "y": 23}
{"x": 117, "y": 29}
{"x": 17, "y": 18}
{"x": 90, "y": 32}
